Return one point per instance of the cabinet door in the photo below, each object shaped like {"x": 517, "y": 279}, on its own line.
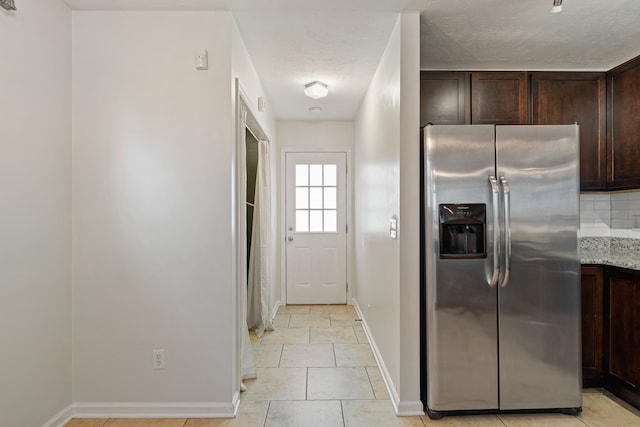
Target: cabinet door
{"x": 623, "y": 328}
{"x": 563, "y": 98}
{"x": 623, "y": 143}
{"x": 499, "y": 98}
{"x": 592, "y": 323}
{"x": 444, "y": 98}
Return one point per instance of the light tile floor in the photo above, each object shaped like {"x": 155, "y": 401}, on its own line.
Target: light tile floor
{"x": 317, "y": 369}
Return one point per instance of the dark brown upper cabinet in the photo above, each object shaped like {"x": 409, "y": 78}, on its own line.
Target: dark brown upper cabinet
{"x": 499, "y": 98}
{"x": 572, "y": 97}
{"x": 623, "y": 126}
{"x": 444, "y": 98}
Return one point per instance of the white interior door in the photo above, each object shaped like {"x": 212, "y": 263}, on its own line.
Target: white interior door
{"x": 316, "y": 228}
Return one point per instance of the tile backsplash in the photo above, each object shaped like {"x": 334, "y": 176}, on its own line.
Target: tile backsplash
{"x": 610, "y": 214}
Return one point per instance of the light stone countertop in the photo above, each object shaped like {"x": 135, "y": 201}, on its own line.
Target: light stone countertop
{"x": 614, "y": 251}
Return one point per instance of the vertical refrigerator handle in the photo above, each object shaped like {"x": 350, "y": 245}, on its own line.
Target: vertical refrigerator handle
{"x": 496, "y": 231}
{"x": 507, "y": 231}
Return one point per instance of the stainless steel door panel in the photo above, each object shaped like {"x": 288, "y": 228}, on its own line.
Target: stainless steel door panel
{"x": 539, "y": 308}
{"x": 461, "y": 306}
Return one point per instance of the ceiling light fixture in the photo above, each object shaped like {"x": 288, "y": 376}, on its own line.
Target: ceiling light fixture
{"x": 557, "y": 6}
{"x": 316, "y": 90}
{"x": 8, "y": 4}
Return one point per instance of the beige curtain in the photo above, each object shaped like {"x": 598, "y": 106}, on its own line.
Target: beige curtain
{"x": 259, "y": 278}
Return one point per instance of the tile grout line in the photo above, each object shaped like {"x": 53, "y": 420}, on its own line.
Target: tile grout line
{"x": 266, "y": 414}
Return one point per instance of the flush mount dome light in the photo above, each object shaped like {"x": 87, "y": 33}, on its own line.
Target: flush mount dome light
{"x": 316, "y": 90}
{"x": 557, "y": 6}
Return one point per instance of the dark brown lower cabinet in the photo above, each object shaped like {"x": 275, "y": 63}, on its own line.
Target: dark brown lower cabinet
{"x": 592, "y": 326}
{"x": 622, "y": 337}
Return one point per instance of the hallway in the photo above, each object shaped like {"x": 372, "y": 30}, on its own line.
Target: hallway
{"x": 317, "y": 370}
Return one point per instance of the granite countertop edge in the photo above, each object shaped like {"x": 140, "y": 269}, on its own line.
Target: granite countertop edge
{"x": 611, "y": 251}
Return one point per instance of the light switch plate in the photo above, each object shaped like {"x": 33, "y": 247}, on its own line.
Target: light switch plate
{"x": 393, "y": 228}
{"x": 202, "y": 60}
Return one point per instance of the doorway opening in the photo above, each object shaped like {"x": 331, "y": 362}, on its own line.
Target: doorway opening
{"x": 253, "y": 236}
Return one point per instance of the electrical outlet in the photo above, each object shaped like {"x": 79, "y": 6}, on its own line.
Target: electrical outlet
{"x": 158, "y": 359}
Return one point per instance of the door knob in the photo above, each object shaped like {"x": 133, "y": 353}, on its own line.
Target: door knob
{"x": 290, "y": 238}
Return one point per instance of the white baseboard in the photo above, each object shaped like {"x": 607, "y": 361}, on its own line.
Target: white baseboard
{"x": 61, "y": 418}
{"x": 410, "y": 409}
{"x": 402, "y": 409}
{"x": 155, "y": 410}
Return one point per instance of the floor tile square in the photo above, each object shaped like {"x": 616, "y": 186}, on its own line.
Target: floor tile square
{"x": 310, "y": 320}
{"x": 334, "y": 335}
{"x": 338, "y": 383}
{"x": 360, "y": 334}
{"x": 145, "y": 422}
{"x": 377, "y": 382}
{"x": 267, "y": 355}
{"x": 375, "y": 413}
{"x": 281, "y": 320}
{"x": 286, "y": 336}
{"x": 276, "y": 384}
{"x": 307, "y": 355}
{"x": 465, "y": 421}
{"x": 328, "y": 308}
{"x": 319, "y": 413}
{"x": 86, "y": 422}
{"x": 354, "y": 355}
{"x": 250, "y": 413}
{"x": 290, "y": 309}
{"x": 600, "y": 411}
{"x": 541, "y": 420}
{"x": 344, "y": 319}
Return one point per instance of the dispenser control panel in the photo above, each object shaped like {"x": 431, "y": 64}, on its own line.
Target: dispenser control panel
{"x": 462, "y": 230}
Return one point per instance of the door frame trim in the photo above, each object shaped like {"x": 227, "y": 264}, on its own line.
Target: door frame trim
{"x": 283, "y": 213}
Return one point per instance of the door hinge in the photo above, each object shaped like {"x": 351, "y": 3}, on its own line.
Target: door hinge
{"x": 346, "y": 228}
{"x": 347, "y": 286}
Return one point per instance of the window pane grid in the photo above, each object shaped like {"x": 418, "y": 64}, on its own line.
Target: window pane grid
{"x": 316, "y": 198}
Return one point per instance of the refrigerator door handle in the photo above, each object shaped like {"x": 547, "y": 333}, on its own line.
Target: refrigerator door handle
{"x": 496, "y": 231}
{"x": 507, "y": 231}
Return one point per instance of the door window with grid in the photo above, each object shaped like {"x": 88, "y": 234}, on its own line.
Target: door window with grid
{"x": 316, "y": 198}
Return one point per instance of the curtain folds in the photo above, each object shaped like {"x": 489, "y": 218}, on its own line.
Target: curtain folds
{"x": 259, "y": 277}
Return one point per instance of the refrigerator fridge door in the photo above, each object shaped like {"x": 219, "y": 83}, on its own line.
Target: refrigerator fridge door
{"x": 539, "y": 303}
{"x": 461, "y": 318}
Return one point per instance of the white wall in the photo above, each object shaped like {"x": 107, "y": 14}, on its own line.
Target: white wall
{"x": 152, "y": 202}
{"x": 307, "y": 135}
{"x": 35, "y": 218}
{"x": 387, "y": 185}
{"x": 244, "y": 70}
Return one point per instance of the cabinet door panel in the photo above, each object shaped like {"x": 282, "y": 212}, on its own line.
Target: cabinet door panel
{"x": 623, "y": 147}
{"x": 444, "y": 98}
{"x": 563, "y": 98}
{"x": 623, "y": 351}
{"x": 499, "y": 98}
{"x": 592, "y": 322}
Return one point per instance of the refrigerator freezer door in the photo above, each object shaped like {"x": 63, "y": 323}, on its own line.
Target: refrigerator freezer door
{"x": 539, "y": 307}
{"x": 461, "y": 319}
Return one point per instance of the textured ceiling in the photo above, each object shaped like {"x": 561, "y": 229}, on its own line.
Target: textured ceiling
{"x": 524, "y": 35}
{"x": 340, "y": 42}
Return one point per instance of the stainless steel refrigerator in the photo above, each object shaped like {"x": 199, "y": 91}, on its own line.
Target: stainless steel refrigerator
{"x": 502, "y": 292}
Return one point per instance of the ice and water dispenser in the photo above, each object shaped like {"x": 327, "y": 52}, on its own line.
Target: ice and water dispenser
{"x": 462, "y": 230}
